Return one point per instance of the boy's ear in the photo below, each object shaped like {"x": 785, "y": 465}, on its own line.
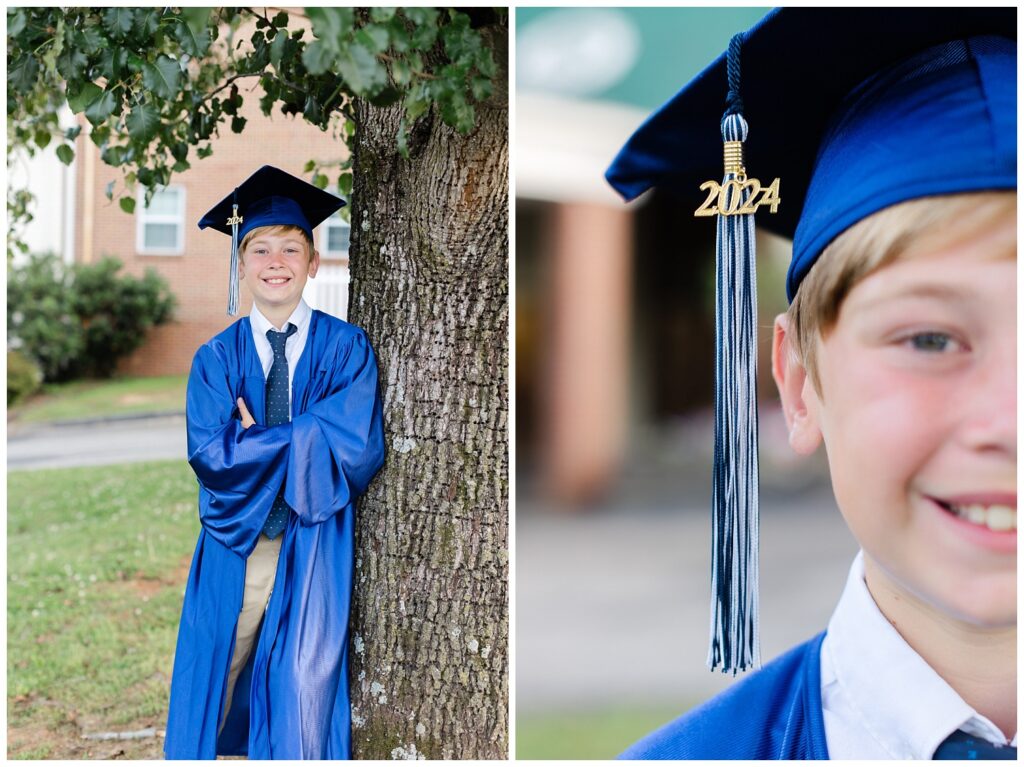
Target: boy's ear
{"x": 800, "y": 403}
{"x": 314, "y": 262}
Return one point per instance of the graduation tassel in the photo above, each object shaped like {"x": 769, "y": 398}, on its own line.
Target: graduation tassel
{"x": 734, "y": 643}
{"x": 233, "y": 222}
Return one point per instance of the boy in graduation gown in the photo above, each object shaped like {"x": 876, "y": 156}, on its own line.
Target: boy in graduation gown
{"x": 894, "y": 134}
{"x": 284, "y": 433}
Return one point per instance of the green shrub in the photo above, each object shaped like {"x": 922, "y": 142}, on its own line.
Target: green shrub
{"x": 116, "y": 312}
{"x": 81, "y": 321}
{"x": 41, "y": 315}
{"x": 23, "y": 377}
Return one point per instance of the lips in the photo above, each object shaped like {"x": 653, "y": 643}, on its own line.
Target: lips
{"x": 275, "y": 281}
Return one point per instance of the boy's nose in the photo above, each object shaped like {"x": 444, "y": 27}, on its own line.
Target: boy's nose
{"x": 991, "y": 403}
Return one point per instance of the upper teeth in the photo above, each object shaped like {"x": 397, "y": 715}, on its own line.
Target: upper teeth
{"x": 998, "y": 518}
{"x": 277, "y": 279}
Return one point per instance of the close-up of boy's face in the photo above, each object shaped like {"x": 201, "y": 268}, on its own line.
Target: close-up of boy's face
{"x": 275, "y": 265}
{"x": 917, "y": 410}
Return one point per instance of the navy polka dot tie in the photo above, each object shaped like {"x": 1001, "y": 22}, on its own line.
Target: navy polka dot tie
{"x": 277, "y": 413}
{"x": 960, "y": 745}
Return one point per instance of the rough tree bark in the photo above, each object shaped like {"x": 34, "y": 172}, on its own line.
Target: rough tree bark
{"x": 430, "y": 287}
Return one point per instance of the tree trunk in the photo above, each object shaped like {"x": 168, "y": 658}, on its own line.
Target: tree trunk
{"x": 429, "y": 672}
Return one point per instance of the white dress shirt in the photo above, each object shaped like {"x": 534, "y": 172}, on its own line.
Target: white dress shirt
{"x": 880, "y": 699}
{"x": 293, "y": 346}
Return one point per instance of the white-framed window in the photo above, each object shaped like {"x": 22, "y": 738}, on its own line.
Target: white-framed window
{"x": 160, "y": 226}
{"x": 334, "y": 238}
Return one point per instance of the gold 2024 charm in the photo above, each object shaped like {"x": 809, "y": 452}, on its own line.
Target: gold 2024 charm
{"x": 729, "y": 204}
{"x": 732, "y": 198}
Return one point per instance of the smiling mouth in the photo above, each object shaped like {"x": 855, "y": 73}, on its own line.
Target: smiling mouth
{"x": 276, "y": 280}
{"x": 996, "y": 517}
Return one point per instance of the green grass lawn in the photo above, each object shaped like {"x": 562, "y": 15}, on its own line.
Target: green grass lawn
{"x": 96, "y": 565}
{"x": 602, "y": 734}
{"x": 93, "y": 399}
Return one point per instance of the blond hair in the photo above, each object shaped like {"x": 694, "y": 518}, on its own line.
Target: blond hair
{"x": 276, "y": 229}
{"x": 875, "y": 242}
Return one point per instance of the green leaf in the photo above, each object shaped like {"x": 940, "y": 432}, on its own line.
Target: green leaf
{"x": 375, "y": 38}
{"x": 345, "y": 184}
{"x": 65, "y": 154}
{"x": 403, "y": 140}
{"x": 142, "y": 122}
{"x": 41, "y": 138}
{"x": 400, "y": 72}
{"x": 194, "y": 39}
{"x": 113, "y": 62}
{"x": 181, "y": 166}
{"x": 146, "y": 24}
{"x": 127, "y": 204}
{"x": 22, "y": 75}
{"x": 162, "y": 77}
{"x": 204, "y": 151}
{"x": 330, "y": 25}
{"x": 118, "y": 21}
{"x": 417, "y": 102}
{"x": 100, "y": 135}
{"x": 72, "y": 133}
{"x": 109, "y": 190}
{"x": 237, "y": 124}
{"x": 320, "y": 181}
{"x": 89, "y": 39}
{"x": 112, "y": 155}
{"x": 15, "y": 22}
{"x": 280, "y": 20}
{"x": 361, "y": 70}
{"x": 399, "y": 35}
{"x": 485, "y": 63}
{"x": 308, "y": 167}
{"x": 99, "y": 110}
{"x": 277, "y": 50}
{"x": 88, "y": 93}
{"x": 312, "y": 110}
{"x": 317, "y": 58}
{"x": 382, "y": 14}
{"x": 425, "y": 31}
{"x": 481, "y": 88}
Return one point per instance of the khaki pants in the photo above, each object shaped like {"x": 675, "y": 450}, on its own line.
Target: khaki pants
{"x": 260, "y": 569}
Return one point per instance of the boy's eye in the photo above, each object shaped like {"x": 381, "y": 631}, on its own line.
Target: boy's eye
{"x": 933, "y": 342}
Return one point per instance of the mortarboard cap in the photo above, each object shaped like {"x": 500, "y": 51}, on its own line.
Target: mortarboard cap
{"x": 269, "y": 197}
{"x": 855, "y": 110}
{"x": 819, "y": 84}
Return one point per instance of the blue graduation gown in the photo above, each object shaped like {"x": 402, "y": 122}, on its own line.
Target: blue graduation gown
{"x": 297, "y": 677}
{"x": 774, "y": 713}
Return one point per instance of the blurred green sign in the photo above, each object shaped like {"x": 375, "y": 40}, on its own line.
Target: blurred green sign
{"x": 635, "y": 56}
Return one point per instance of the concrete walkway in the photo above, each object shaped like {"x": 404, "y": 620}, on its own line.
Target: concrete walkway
{"x": 612, "y": 606}
{"x": 95, "y": 443}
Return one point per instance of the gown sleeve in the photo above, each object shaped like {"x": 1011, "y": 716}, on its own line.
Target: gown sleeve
{"x": 338, "y": 443}
{"x": 239, "y": 469}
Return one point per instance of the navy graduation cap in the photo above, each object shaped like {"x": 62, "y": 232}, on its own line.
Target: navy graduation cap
{"x": 850, "y": 110}
{"x": 269, "y": 197}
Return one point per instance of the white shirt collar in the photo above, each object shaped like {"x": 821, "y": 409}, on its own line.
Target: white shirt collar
{"x": 299, "y": 317}
{"x": 901, "y": 702}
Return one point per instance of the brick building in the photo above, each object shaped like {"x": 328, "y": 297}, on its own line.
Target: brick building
{"x": 165, "y": 236}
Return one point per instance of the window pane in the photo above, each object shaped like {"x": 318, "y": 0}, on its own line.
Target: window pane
{"x": 164, "y": 203}
{"x": 161, "y": 236}
{"x": 337, "y": 237}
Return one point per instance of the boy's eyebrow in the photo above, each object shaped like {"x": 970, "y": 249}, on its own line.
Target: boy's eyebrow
{"x": 263, "y": 240}
{"x": 936, "y": 290}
